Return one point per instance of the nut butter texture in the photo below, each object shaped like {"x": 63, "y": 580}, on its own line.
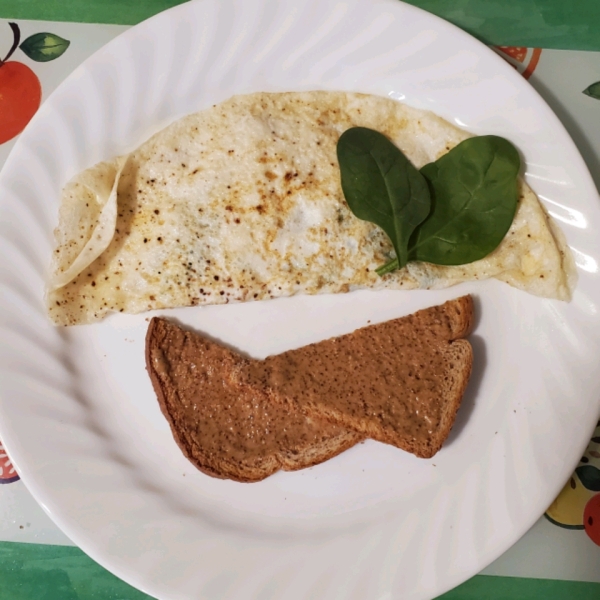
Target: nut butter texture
{"x": 399, "y": 382}
{"x": 218, "y": 414}
{"x": 394, "y": 374}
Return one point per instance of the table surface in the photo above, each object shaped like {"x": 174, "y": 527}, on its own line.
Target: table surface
{"x": 554, "y": 24}
{"x": 559, "y": 51}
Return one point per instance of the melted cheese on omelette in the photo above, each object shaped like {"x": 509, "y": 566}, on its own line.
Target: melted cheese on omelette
{"x": 243, "y": 202}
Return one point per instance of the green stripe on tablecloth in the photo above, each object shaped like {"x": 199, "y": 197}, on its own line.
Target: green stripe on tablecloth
{"x": 560, "y": 24}
{"x": 490, "y": 587}
{"x": 42, "y": 572}
{"x": 535, "y": 23}
{"x": 119, "y": 12}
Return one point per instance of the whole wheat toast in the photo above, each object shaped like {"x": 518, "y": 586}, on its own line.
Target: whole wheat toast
{"x": 399, "y": 382}
{"x": 225, "y": 427}
{"x": 331, "y": 393}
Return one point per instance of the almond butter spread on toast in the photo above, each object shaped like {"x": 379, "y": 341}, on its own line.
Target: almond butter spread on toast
{"x": 225, "y": 427}
{"x": 399, "y": 382}
{"x": 394, "y": 382}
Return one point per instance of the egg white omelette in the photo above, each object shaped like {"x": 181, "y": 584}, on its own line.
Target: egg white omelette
{"x": 243, "y": 201}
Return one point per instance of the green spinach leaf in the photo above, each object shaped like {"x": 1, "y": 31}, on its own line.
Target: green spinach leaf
{"x": 382, "y": 186}
{"x": 474, "y": 195}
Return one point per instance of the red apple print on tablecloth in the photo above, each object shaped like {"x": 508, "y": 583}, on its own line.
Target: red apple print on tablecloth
{"x": 7, "y": 471}
{"x": 590, "y": 476}
{"x": 578, "y": 504}
{"x": 591, "y": 519}
{"x": 525, "y": 60}
{"x": 20, "y": 89}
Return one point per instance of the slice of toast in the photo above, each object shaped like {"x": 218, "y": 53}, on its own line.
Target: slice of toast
{"x": 400, "y": 382}
{"x": 225, "y": 427}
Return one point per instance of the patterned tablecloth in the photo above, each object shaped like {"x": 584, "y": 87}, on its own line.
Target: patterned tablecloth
{"x": 560, "y": 556}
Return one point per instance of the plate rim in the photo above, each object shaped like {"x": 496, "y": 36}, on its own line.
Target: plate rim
{"x": 29, "y": 480}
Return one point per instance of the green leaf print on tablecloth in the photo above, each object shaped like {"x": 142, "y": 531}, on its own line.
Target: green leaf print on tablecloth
{"x": 44, "y": 47}
{"x": 593, "y": 91}
{"x": 590, "y": 477}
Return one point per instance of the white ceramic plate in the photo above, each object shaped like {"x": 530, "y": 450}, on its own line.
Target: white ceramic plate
{"x": 77, "y": 412}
